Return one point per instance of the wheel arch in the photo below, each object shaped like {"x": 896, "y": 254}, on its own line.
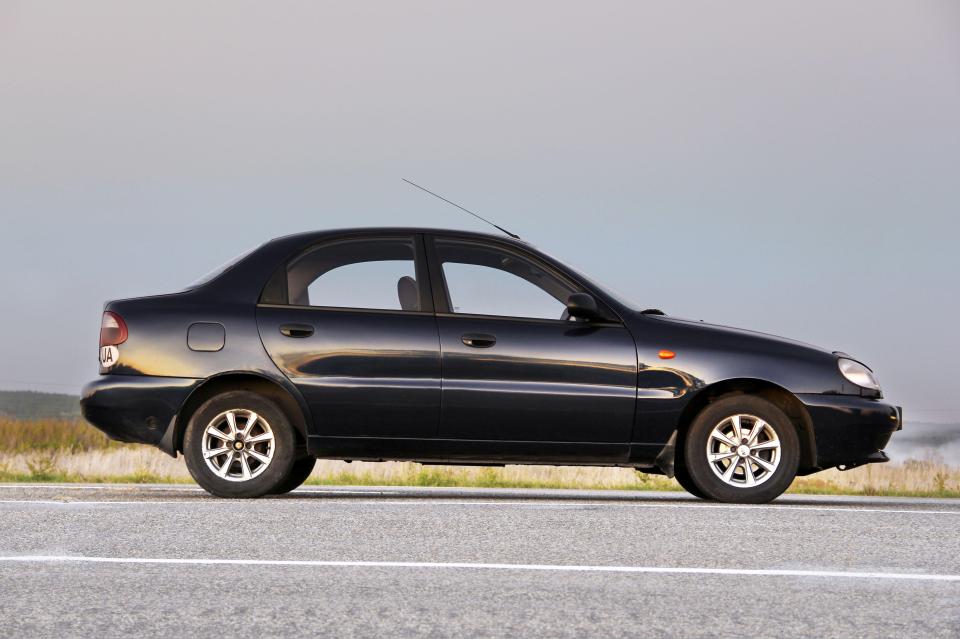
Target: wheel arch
{"x": 287, "y": 398}
{"x": 786, "y": 401}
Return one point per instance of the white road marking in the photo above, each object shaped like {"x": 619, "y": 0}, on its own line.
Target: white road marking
{"x": 337, "y": 502}
{"x": 406, "y": 501}
{"x": 178, "y": 489}
{"x": 669, "y": 570}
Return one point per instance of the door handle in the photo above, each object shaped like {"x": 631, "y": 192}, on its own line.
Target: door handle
{"x": 478, "y": 340}
{"x": 296, "y": 330}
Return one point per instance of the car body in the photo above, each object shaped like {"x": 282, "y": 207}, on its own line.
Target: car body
{"x": 490, "y": 377}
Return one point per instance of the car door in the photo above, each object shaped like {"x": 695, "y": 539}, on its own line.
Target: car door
{"x": 355, "y": 332}
{"x": 515, "y": 368}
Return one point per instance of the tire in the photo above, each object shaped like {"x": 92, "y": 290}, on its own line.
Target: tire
{"x": 682, "y": 476}
{"x": 249, "y": 429}
{"x": 298, "y": 474}
{"x": 764, "y": 462}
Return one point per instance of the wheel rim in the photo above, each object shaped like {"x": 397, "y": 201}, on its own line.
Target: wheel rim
{"x": 743, "y": 451}
{"x": 238, "y": 445}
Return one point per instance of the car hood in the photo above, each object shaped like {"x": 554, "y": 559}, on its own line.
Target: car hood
{"x": 718, "y": 330}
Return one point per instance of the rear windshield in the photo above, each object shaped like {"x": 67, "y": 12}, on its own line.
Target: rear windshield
{"x": 215, "y": 273}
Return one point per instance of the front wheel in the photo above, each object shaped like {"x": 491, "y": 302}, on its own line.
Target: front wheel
{"x": 682, "y": 476}
{"x": 742, "y": 449}
{"x": 298, "y": 474}
{"x": 239, "y": 444}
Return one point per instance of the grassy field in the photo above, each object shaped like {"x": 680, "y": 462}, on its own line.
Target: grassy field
{"x": 68, "y": 450}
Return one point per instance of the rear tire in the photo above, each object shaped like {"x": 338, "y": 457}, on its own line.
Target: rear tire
{"x": 298, "y": 474}
{"x": 239, "y": 444}
{"x": 742, "y": 449}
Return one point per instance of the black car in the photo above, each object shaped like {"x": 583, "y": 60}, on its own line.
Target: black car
{"x": 464, "y": 348}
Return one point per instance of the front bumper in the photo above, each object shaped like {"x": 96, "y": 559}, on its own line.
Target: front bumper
{"x": 850, "y": 430}
{"x": 136, "y": 408}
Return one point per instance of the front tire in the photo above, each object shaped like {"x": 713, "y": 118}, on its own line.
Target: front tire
{"x": 742, "y": 449}
{"x": 239, "y": 444}
{"x": 298, "y": 474}
{"x": 682, "y": 475}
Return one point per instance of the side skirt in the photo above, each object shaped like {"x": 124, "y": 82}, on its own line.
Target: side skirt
{"x": 480, "y": 452}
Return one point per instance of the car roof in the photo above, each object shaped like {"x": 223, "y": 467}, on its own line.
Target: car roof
{"x": 247, "y": 275}
{"x": 310, "y": 236}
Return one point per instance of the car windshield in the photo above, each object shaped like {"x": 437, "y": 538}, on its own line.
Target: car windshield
{"x": 220, "y": 269}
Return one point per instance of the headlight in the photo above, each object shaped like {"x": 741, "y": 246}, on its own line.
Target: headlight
{"x": 858, "y": 374}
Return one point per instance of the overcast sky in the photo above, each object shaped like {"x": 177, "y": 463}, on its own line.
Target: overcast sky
{"x": 787, "y": 167}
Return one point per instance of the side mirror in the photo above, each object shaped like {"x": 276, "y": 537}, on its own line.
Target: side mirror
{"x": 583, "y": 306}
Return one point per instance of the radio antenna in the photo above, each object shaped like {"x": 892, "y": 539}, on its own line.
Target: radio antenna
{"x": 465, "y": 210}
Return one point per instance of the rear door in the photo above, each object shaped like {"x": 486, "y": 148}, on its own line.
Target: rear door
{"x": 355, "y": 332}
{"x": 515, "y": 368}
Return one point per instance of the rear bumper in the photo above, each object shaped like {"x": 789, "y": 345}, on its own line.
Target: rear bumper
{"x": 849, "y": 430}
{"x": 135, "y": 408}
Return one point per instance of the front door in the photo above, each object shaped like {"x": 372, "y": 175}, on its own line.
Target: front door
{"x": 515, "y": 367}
{"x": 358, "y": 338}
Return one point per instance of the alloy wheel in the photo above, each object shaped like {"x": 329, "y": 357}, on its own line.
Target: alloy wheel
{"x": 743, "y": 451}
{"x": 238, "y": 445}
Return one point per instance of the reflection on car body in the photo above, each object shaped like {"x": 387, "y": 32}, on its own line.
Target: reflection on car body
{"x": 464, "y": 348}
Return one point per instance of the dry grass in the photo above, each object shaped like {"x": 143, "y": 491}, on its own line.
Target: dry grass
{"x": 25, "y": 436}
{"x": 52, "y": 450}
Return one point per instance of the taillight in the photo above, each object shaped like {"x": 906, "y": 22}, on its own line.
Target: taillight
{"x": 113, "y": 330}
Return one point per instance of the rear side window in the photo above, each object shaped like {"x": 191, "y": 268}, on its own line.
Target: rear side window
{"x": 377, "y": 274}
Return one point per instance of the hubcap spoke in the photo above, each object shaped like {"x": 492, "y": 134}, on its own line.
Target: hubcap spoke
{"x": 215, "y": 452}
{"x": 723, "y": 438}
{"x": 262, "y": 437}
{"x": 749, "y": 478}
{"x": 232, "y": 423}
{"x": 244, "y": 466}
{"x": 263, "y": 459}
{"x": 728, "y": 474}
{"x": 715, "y": 457}
{"x": 219, "y": 434}
{"x": 758, "y": 427}
{"x": 251, "y": 420}
{"x": 737, "y": 431}
{"x": 770, "y": 445}
{"x": 225, "y": 468}
{"x": 762, "y": 463}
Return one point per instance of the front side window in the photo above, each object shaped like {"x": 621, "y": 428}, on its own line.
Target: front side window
{"x": 485, "y": 280}
{"x": 376, "y": 274}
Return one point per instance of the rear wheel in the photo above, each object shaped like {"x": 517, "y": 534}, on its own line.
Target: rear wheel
{"x": 239, "y": 444}
{"x": 742, "y": 449}
{"x": 298, "y": 474}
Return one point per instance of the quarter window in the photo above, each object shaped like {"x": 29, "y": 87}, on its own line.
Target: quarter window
{"x": 368, "y": 274}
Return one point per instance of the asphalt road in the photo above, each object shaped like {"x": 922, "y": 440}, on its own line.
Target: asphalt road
{"x": 108, "y": 560}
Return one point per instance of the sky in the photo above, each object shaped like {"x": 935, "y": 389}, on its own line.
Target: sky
{"x": 788, "y": 167}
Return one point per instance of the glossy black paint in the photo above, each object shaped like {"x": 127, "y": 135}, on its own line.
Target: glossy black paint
{"x": 437, "y": 386}
{"x": 135, "y": 408}
{"x": 363, "y": 374}
{"x": 542, "y": 381}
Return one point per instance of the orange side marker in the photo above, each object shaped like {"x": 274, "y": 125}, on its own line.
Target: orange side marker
{"x": 665, "y": 354}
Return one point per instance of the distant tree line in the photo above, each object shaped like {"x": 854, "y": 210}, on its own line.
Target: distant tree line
{"x": 37, "y": 405}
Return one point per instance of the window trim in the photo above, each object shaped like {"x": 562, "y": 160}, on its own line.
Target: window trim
{"x": 345, "y": 309}
{"x": 420, "y": 265}
{"x": 441, "y": 293}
